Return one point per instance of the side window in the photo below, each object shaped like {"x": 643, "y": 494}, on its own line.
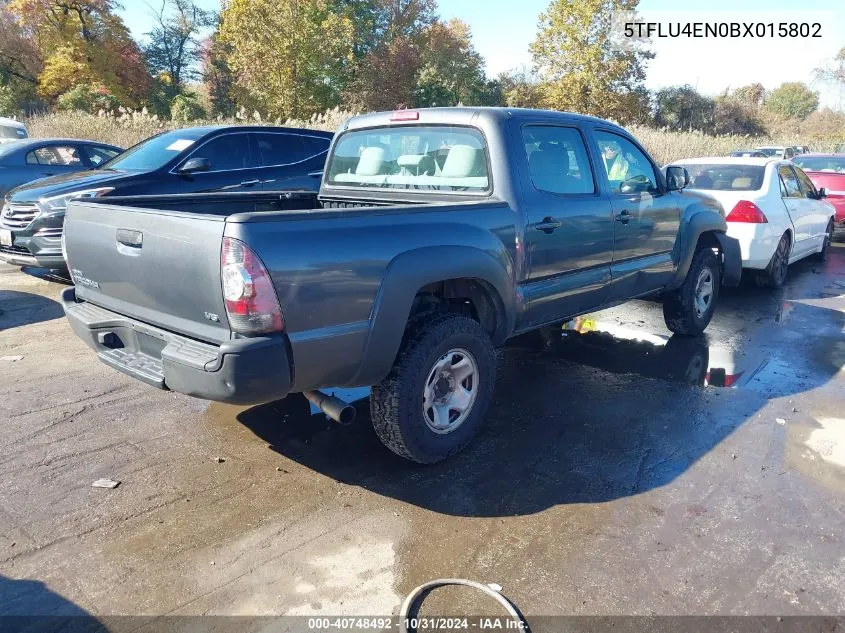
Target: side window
{"x": 628, "y": 169}
{"x": 557, "y": 159}
{"x": 97, "y": 155}
{"x": 807, "y": 186}
{"x": 316, "y": 145}
{"x": 227, "y": 152}
{"x": 63, "y": 155}
{"x": 790, "y": 188}
{"x": 283, "y": 149}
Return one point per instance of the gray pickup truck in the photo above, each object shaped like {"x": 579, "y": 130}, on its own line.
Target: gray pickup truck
{"x": 436, "y": 236}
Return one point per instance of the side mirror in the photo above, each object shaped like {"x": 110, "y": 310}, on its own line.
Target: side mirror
{"x": 822, "y": 192}
{"x": 676, "y": 178}
{"x": 194, "y": 165}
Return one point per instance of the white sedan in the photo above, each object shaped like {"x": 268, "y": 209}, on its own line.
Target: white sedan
{"x": 771, "y": 207}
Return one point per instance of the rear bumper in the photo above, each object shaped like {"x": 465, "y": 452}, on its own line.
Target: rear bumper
{"x": 757, "y": 242}
{"x": 241, "y": 371}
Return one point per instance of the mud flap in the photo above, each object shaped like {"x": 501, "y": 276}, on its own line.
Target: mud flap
{"x": 731, "y": 260}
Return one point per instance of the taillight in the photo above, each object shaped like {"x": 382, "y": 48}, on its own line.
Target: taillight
{"x": 748, "y": 212}
{"x": 251, "y": 302}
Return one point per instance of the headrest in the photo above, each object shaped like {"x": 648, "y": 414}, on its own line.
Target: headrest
{"x": 460, "y": 162}
{"x": 370, "y": 162}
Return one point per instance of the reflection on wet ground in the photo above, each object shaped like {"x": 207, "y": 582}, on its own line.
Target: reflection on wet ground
{"x": 741, "y": 348}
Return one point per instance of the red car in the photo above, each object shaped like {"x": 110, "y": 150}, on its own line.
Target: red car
{"x": 828, "y": 171}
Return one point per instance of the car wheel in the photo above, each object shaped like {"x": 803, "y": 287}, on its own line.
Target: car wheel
{"x": 434, "y": 400}
{"x": 686, "y": 359}
{"x": 688, "y": 310}
{"x": 775, "y": 273}
{"x": 824, "y": 253}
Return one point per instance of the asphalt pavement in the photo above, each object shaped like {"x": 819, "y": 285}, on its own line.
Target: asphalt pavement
{"x": 622, "y": 471}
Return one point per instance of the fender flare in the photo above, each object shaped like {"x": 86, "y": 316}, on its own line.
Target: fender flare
{"x": 412, "y": 270}
{"x": 697, "y": 221}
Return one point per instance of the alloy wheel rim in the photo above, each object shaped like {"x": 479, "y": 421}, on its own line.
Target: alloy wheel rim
{"x": 450, "y": 391}
{"x": 703, "y": 292}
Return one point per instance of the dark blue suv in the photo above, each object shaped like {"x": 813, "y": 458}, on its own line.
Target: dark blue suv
{"x": 190, "y": 160}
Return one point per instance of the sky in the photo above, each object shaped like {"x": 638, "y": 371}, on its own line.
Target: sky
{"x": 503, "y": 30}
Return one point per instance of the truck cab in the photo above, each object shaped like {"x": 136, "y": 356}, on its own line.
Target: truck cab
{"x": 437, "y": 235}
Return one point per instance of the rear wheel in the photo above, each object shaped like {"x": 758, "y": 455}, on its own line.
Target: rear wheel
{"x": 688, "y": 310}
{"x": 434, "y": 400}
{"x": 775, "y": 273}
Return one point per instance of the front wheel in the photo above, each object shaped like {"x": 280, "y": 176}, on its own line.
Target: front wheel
{"x": 434, "y": 400}
{"x": 688, "y": 310}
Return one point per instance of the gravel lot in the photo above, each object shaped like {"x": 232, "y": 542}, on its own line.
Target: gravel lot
{"x": 603, "y": 483}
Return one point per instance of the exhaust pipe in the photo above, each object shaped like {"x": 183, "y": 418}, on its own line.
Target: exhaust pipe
{"x": 338, "y": 410}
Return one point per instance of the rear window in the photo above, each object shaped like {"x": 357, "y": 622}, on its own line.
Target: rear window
{"x": 726, "y": 177}
{"x": 12, "y": 132}
{"x": 832, "y": 164}
{"x": 419, "y": 158}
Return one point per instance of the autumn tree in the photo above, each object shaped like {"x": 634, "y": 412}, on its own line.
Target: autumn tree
{"x": 174, "y": 43}
{"x": 791, "y": 100}
{"x": 451, "y": 71}
{"x": 290, "y": 55}
{"x": 217, "y": 76}
{"x": 583, "y": 65}
{"x": 20, "y": 64}
{"x": 82, "y": 41}
{"x": 390, "y": 42}
{"x": 683, "y": 108}
{"x": 833, "y": 73}
{"x": 750, "y": 95}
{"x": 386, "y": 79}
{"x": 520, "y": 88}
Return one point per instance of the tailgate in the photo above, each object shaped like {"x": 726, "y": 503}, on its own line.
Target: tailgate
{"x": 159, "y": 267}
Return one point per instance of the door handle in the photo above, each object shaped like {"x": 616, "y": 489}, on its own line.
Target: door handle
{"x": 249, "y": 183}
{"x": 624, "y": 217}
{"x": 548, "y": 225}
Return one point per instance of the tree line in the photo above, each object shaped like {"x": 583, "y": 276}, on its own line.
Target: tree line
{"x": 293, "y": 58}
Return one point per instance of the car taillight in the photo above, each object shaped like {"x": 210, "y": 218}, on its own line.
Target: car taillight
{"x": 251, "y": 302}
{"x": 748, "y": 212}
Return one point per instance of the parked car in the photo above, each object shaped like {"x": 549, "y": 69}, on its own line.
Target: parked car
{"x": 776, "y": 151}
{"x": 437, "y": 235}
{"x": 11, "y": 130}
{"x": 747, "y": 153}
{"x": 190, "y": 160}
{"x": 27, "y": 160}
{"x": 773, "y": 209}
{"x": 827, "y": 171}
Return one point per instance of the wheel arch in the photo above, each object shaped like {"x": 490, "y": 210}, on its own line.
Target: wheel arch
{"x": 459, "y": 275}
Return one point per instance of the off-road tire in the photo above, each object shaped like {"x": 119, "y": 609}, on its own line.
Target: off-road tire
{"x": 396, "y": 403}
{"x": 679, "y": 305}
{"x": 775, "y": 273}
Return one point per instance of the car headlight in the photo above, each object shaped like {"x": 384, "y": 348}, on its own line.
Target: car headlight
{"x": 59, "y": 203}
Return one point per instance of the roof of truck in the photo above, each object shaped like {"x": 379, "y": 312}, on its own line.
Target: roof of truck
{"x": 466, "y": 116}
